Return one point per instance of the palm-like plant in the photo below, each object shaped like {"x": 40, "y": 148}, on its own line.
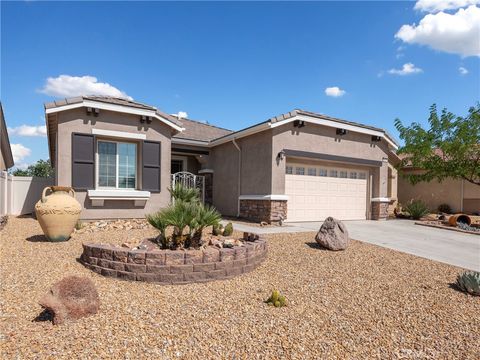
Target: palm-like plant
{"x": 180, "y": 216}
{"x": 205, "y": 216}
{"x": 158, "y": 221}
{"x": 182, "y": 193}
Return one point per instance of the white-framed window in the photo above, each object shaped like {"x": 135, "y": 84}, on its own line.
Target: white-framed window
{"x": 116, "y": 165}
{"x": 289, "y": 169}
{"x": 333, "y": 173}
{"x": 299, "y": 171}
{"x": 322, "y": 172}
{"x": 343, "y": 174}
{"x": 353, "y": 174}
{"x": 312, "y": 172}
{"x": 362, "y": 175}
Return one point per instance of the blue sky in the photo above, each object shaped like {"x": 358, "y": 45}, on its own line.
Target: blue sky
{"x": 236, "y": 64}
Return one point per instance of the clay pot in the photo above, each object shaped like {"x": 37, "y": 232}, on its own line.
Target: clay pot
{"x": 459, "y": 218}
{"x": 58, "y": 212}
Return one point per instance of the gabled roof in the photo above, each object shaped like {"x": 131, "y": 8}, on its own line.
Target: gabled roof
{"x": 201, "y": 131}
{"x": 114, "y": 104}
{"x": 6, "y": 150}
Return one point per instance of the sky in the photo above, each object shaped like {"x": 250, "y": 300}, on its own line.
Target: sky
{"x": 236, "y": 64}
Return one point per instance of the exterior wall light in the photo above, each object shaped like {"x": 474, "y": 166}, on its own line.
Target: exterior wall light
{"x": 376, "y": 138}
{"x": 281, "y": 155}
{"x": 341, "y": 132}
{"x": 299, "y": 123}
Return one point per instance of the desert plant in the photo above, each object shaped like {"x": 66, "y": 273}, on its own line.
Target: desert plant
{"x": 469, "y": 282}
{"x": 445, "y": 208}
{"x": 182, "y": 193}
{"x": 204, "y": 216}
{"x": 159, "y": 222}
{"x": 79, "y": 225}
{"x": 276, "y": 299}
{"x": 416, "y": 209}
{"x": 228, "y": 231}
{"x": 180, "y": 216}
{"x": 217, "y": 230}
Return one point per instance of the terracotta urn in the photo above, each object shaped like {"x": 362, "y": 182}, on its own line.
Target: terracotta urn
{"x": 58, "y": 212}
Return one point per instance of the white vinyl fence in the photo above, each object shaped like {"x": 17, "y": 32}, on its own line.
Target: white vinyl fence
{"x": 18, "y": 194}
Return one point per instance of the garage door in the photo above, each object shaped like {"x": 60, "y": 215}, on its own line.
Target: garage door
{"x": 315, "y": 193}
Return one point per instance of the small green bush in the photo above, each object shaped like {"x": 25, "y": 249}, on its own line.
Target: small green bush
{"x": 445, "y": 208}
{"x": 217, "y": 229}
{"x": 416, "y": 209}
{"x": 182, "y": 193}
{"x": 469, "y": 282}
{"x": 276, "y": 299}
{"x": 228, "y": 231}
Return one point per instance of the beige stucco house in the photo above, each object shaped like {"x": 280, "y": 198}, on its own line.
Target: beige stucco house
{"x": 300, "y": 166}
{"x": 460, "y": 195}
{"x": 6, "y": 158}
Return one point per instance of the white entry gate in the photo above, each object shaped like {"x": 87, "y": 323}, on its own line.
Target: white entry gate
{"x": 190, "y": 180}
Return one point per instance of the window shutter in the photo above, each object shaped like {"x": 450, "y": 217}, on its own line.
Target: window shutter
{"x": 151, "y": 171}
{"x": 83, "y": 161}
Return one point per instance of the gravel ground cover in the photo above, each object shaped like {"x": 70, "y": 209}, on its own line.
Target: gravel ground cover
{"x": 365, "y": 302}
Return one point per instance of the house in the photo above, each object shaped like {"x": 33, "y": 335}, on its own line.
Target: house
{"x": 460, "y": 195}
{"x": 6, "y": 157}
{"x": 300, "y": 166}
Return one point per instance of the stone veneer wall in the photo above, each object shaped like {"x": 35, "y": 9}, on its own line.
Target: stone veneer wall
{"x": 174, "y": 266}
{"x": 380, "y": 210}
{"x": 263, "y": 210}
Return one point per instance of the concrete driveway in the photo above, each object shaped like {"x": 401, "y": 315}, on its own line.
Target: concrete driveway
{"x": 446, "y": 246}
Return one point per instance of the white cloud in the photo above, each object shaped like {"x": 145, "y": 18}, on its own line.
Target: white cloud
{"x": 457, "y": 33}
{"x": 70, "y": 86}
{"x": 407, "y": 69}
{"x": 27, "y": 130}
{"x": 181, "y": 114}
{"x": 462, "y": 70}
{"x": 19, "y": 152}
{"x": 440, "y": 5}
{"x": 334, "y": 91}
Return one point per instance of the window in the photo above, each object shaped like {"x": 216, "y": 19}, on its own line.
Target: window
{"x": 333, "y": 173}
{"x": 322, "y": 172}
{"x": 343, "y": 174}
{"x": 289, "y": 170}
{"x": 312, "y": 172}
{"x": 300, "y": 171}
{"x": 117, "y": 165}
{"x": 353, "y": 175}
{"x": 362, "y": 176}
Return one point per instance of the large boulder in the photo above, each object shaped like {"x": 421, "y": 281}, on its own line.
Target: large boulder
{"x": 71, "y": 298}
{"x": 333, "y": 235}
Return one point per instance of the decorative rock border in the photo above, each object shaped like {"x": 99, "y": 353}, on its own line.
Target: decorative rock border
{"x": 175, "y": 266}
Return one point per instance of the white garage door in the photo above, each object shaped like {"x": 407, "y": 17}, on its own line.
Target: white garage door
{"x": 315, "y": 193}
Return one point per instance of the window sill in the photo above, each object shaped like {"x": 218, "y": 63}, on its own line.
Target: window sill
{"x": 99, "y": 196}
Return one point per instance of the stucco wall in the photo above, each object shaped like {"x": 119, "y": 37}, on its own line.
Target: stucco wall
{"x": 2, "y": 162}
{"x": 77, "y": 120}
{"x": 322, "y": 139}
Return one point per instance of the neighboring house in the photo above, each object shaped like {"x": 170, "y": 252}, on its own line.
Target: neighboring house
{"x": 461, "y": 195}
{"x": 6, "y": 158}
{"x": 300, "y": 166}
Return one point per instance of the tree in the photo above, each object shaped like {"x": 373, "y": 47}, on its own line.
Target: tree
{"x": 449, "y": 149}
{"x": 41, "y": 168}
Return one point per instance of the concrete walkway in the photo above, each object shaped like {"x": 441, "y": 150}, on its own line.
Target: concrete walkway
{"x": 446, "y": 246}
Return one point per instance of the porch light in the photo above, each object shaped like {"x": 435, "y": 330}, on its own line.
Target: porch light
{"x": 341, "y": 132}
{"x": 281, "y": 155}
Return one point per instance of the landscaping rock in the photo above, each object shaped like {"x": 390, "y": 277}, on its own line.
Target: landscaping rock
{"x": 71, "y": 298}
{"x": 333, "y": 235}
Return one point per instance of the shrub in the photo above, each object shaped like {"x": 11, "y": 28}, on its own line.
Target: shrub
{"x": 228, "y": 231}
{"x": 187, "y": 217}
{"x": 469, "y": 282}
{"x": 416, "y": 209}
{"x": 445, "y": 208}
{"x": 276, "y": 299}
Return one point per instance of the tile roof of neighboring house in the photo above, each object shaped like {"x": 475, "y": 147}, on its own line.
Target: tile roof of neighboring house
{"x": 111, "y": 100}
{"x": 197, "y": 130}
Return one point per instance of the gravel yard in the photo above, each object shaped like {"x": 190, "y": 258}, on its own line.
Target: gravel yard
{"x": 366, "y": 302}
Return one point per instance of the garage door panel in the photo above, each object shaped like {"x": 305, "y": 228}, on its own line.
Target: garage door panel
{"x": 313, "y": 198}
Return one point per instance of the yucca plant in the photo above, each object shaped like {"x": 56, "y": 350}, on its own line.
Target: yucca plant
{"x": 205, "y": 216}
{"x": 159, "y": 222}
{"x": 469, "y": 282}
{"x": 182, "y": 193}
{"x": 416, "y": 209}
{"x": 180, "y": 216}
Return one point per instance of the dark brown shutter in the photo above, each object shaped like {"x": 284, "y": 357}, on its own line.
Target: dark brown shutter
{"x": 83, "y": 161}
{"x": 151, "y": 169}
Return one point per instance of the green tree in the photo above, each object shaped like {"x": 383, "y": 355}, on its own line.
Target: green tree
{"x": 449, "y": 149}
{"x": 41, "y": 168}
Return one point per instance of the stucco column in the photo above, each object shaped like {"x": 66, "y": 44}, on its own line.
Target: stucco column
{"x": 380, "y": 200}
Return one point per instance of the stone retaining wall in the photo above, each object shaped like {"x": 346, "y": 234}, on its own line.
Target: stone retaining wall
{"x": 263, "y": 210}
{"x": 174, "y": 266}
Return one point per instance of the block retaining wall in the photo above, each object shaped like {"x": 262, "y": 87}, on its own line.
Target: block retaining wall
{"x": 174, "y": 266}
